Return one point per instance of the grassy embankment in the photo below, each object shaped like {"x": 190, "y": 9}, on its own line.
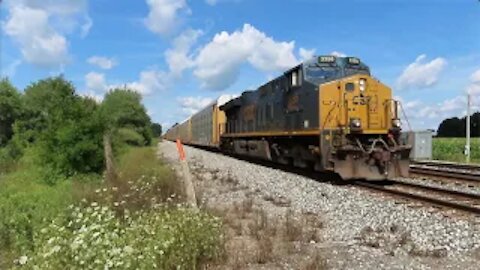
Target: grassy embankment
{"x": 451, "y": 149}
{"x": 135, "y": 221}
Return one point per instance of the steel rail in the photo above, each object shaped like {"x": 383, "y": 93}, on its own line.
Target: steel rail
{"x": 466, "y": 176}
{"x": 458, "y": 193}
{"x": 431, "y": 200}
{"x": 449, "y": 165}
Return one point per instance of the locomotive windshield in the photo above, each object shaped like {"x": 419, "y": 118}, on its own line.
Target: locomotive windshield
{"x": 324, "y": 69}
{"x": 322, "y": 73}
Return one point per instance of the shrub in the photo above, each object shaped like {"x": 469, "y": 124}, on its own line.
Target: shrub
{"x": 28, "y": 204}
{"x": 25, "y": 206}
{"x": 144, "y": 179}
{"x": 122, "y": 108}
{"x": 130, "y": 136}
{"x": 65, "y": 129}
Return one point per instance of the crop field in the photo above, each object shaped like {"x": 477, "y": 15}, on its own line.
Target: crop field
{"x": 452, "y": 149}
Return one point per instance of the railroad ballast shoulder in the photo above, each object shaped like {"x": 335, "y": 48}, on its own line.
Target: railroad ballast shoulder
{"x": 327, "y": 113}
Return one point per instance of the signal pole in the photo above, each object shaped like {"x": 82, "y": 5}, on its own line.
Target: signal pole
{"x": 467, "y": 146}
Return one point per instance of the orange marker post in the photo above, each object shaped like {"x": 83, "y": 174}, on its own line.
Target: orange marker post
{"x": 180, "y": 150}
{"x": 187, "y": 177}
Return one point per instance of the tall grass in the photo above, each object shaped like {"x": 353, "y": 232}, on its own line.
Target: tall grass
{"x": 133, "y": 221}
{"x": 27, "y": 204}
{"x": 452, "y": 149}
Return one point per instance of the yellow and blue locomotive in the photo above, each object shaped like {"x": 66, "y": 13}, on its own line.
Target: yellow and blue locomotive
{"x": 328, "y": 113}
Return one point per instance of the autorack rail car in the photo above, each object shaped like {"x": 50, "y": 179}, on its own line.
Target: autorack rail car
{"x": 328, "y": 114}
{"x": 203, "y": 128}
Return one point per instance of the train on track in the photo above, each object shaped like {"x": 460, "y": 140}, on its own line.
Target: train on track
{"x": 327, "y": 114}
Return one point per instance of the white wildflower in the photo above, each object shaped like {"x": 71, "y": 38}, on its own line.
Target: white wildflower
{"x": 23, "y": 260}
{"x": 128, "y": 249}
{"x": 56, "y": 249}
{"x": 51, "y": 240}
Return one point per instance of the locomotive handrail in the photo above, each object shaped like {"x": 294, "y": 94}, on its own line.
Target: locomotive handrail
{"x": 405, "y": 115}
{"x": 388, "y": 101}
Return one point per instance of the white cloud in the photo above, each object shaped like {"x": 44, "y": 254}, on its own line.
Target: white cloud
{"x": 40, "y": 44}
{"x": 306, "y": 54}
{"x": 421, "y": 73}
{"x": 93, "y": 95}
{"x": 427, "y": 115}
{"x": 102, "y": 62}
{"x": 163, "y": 15}
{"x": 150, "y": 81}
{"x": 475, "y": 78}
{"x": 218, "y": 62}
{"x": 178, "y": 58}
{"x": 474, "y": 87}
{"x": 338, "y": 54}
{"x": 191, "y": 105}
{"x": 37, "y": 27}
{"x": 424, "y": 115}
{"x": 96, "y": 82}
{"x": 415, "y": 104}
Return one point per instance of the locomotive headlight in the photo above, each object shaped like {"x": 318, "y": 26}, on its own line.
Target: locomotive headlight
{"x": 362, "y": 85}
{"x": 355, "y": 123}
{"x": 396, "y": 123}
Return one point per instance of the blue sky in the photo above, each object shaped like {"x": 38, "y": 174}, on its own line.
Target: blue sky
{"x": 181, "y": 54}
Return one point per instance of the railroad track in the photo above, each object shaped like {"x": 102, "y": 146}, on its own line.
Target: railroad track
{"x": 463, "y": 172}
{"x": 436, "y": 196}
{"x": 448, "y": 165}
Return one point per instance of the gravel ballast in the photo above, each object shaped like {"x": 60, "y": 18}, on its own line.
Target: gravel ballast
{"x": 352, "y": 216}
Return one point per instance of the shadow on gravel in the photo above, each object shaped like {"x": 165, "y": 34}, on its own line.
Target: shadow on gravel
{"x": 324, "y": 177}
{"x": 327, "y": 177}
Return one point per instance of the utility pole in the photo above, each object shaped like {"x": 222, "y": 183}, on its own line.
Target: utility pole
{"x": 467, "y": 146}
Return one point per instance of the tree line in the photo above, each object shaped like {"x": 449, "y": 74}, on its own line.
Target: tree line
{"x": 63, "y": 132}
{"x": 456, "y": 127}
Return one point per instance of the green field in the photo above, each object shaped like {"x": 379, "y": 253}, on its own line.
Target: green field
{"x": 451, "y": 149}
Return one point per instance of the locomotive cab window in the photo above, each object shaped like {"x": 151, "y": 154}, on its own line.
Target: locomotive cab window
{"x": 295, "y": 78}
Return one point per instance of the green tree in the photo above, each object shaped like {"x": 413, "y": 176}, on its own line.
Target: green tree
{"x": 64, "y": 129}
{"x": 123, "y": 109}
{"x": 456, "y": 127}
{"x": 10, "y": 110}
{"x": 157, "y": 130}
